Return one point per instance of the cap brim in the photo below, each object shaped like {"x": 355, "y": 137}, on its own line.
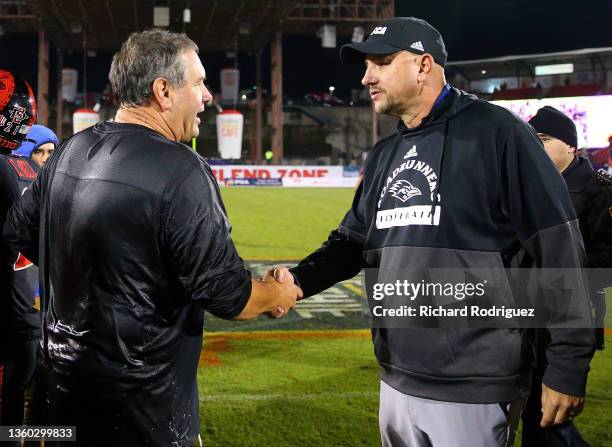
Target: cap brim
{"x": 354, "y": 53}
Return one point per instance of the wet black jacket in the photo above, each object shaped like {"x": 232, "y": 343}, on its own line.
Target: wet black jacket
{"x": 591, "y": 194}
{"x": 134, "y": 246}
{"x": 461, "y": 190}
{"x": 18, "y": 318}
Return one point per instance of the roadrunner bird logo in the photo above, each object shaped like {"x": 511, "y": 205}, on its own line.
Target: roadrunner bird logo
{"x": 403, "y": 190}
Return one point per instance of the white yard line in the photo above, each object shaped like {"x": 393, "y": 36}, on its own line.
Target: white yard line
{"x": 302, "y": 396}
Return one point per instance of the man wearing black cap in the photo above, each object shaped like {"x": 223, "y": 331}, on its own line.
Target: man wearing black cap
{"x": 448, "y": 191}
{"x": 591, "y": 194}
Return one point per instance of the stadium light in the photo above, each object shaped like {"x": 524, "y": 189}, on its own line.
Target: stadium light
{"x": 187, "y": 15}
{"x": 327, "y": 34}
{"x": 244, "y": 29}
{"x": 358, "y": 34}
{"x": 161, "y": 15}
{"x": 543, "y": 70}
{"x": 76, "y": 26}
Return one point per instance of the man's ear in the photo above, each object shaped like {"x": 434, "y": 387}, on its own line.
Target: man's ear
{"x": 425, "y": 67}
{"x": 161, "y": 93}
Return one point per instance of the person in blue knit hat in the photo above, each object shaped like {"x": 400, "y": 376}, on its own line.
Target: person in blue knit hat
{"x": 39, "y": 144}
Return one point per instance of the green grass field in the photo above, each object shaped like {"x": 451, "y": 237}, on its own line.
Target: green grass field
{"x": 291, "y": 391}
{"x": 317, "y": 391}
{"x": 283, "y": 223}
{"x": 312, "y": 388}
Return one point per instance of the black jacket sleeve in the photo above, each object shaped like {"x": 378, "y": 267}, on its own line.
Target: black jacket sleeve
{"x": 198, "y": 243}
{"x": 22, "y": 225}
{"x": 542, "y": 214}
{"x": 339, "y": 258}
{"x": 596, "y": 221}
{"x": 9, "y": 192}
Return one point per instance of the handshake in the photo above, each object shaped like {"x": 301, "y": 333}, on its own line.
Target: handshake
{"x": 287, "y": 293}
{"x": 274, "y": 295}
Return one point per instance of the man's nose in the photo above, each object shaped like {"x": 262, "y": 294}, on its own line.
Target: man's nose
{"x": 206, "y": 97}
{"x": 368, "y": 78}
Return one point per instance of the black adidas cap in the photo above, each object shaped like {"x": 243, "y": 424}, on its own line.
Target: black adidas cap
{"x": 396, "y": 34}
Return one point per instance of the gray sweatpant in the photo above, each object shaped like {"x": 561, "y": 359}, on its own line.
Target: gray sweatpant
{"x": 408, "y": 421}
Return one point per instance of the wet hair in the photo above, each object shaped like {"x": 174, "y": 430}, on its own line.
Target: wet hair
{"x": 143, "y": 58}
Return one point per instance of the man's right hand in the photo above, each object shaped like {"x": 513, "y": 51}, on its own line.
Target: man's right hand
{"x": 559, "y": 407}
{"x": 282, "y": 275}
{"x": 274, "y": 296}
{"x": 283, "y": 279}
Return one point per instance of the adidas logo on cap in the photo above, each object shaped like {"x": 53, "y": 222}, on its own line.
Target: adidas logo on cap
{"x": 417, "y": 46}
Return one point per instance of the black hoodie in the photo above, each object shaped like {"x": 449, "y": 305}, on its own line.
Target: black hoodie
{"x": 463, "y": 189}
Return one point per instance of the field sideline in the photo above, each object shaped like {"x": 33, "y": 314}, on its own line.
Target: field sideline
{"x": 312, "y": 388}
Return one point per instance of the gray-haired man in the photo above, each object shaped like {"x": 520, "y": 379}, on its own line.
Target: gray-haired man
{"x": 135, "y": 246}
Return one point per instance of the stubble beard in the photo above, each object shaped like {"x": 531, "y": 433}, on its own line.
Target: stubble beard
{"x": 386, "y": 107}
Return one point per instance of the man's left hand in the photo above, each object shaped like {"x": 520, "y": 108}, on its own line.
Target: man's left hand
{"x": 558, "y": 407}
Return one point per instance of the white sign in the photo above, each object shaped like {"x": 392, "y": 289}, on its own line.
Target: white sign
{"x": 324, "y": 182}
{"x": 70, "y": 78}
{"x": 223, "y": 172}
{"x": 84, "y": 118}
{"x": 229, "y": 133}
{"x": 328, "y": 36}
{"x": 230, "y": 81}
{"x": 543, "y": 70}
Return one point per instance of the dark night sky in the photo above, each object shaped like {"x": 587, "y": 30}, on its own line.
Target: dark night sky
{"x": 472, "y": 29}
